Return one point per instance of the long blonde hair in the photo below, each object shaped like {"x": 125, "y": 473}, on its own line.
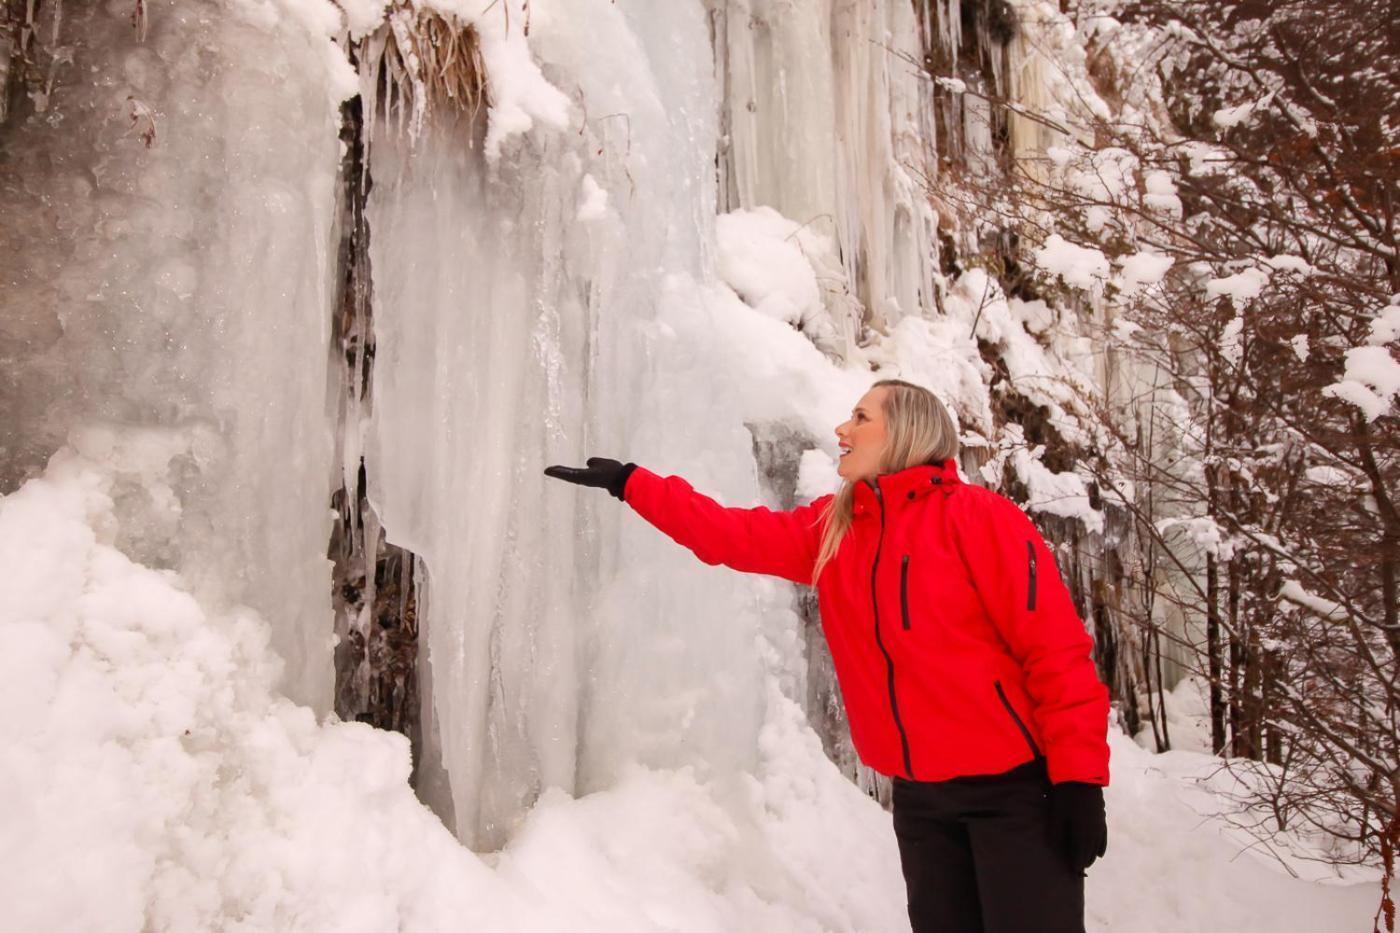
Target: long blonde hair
{"x": 919, "y": 431}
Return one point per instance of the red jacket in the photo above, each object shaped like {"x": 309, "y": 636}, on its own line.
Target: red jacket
{"x": 956, "y": 645}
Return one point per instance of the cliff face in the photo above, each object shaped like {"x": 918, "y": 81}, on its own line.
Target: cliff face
{"x": 304, "y": 275}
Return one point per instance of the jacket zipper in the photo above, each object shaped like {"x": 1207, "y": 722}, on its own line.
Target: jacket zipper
{"x": 1030, "y": 564}
{"x": 889, "y": 661}
{"x": 1025, "y": 733}
{"x": 904, "y": 591}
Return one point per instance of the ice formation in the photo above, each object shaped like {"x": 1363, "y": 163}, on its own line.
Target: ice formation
{"x": 618, "y": 726}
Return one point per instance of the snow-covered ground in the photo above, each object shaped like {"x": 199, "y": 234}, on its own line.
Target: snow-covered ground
{"x": 156, "y": 780}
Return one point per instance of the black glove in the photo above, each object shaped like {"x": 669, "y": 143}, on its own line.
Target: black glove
{"x": 600, "y": 472}
{"x": 1078, "y": 826}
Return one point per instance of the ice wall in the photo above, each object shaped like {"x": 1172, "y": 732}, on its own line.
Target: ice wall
{"x": 544, "y": 296}
{"x": 827, "y": 118}
{"x": 166, "y": 260}
{"x": 546, "y": 286}
{"x": 515, "y": 306}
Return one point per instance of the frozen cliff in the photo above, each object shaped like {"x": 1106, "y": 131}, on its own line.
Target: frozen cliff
{"x": 300, "y": 298}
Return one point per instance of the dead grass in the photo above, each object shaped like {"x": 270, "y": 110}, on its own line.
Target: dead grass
{"x": 421, "y": 62}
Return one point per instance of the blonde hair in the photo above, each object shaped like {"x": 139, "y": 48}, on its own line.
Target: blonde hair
{"x": 919, "y": 431}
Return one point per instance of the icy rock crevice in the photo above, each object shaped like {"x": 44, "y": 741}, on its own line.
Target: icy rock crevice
{"x": 377, "y": 587}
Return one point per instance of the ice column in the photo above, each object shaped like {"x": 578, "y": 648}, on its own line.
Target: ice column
{"x": 167, "y": 259}
{"x": 522, "y": 312}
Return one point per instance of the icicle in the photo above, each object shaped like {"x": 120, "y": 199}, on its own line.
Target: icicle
{"x": 950, "y": 28}
{"x": 995, "y": 53}
{"x": 405, "y": 40}
{"x": 373, "y": 534}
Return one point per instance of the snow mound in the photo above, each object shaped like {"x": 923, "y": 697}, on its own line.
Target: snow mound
{"x": 153, "y": 768}
{"x": 158, "y": 782}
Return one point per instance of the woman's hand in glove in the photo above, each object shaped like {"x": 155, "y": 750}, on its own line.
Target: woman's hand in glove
{"x": 601, "y": 473}
{"x": 1078, "y": 826}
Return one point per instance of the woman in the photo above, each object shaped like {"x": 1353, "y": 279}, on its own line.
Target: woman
{"x": 964, "y": 666}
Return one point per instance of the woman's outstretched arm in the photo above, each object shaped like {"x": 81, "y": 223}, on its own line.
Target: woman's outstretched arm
{"x": 757, "y": 540}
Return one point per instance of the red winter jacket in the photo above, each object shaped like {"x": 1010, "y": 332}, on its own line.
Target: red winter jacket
{"x": 956, "y": 645}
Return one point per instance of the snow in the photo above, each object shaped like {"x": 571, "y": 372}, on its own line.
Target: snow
{"x": 145, "y": 731}
{"x": 940, "y": 354}
{"x": 520, "y": 95}
{"x": 1386, "y": 326}
{"x": 1371, "y": 381}
{"x": 1143, "y": 268}
{"x": 1228, "y": 117}
{"x": 763, "y": 256}
{"x": 1240, "y": 288}
{"x": 1063, "y": 494}
{"x": 1230, "y": 346}
{"x": 1204, "y": 532}
{"x": 1332, "y": 476}
{"x": 363, "y": 16}
{"x": 593, "y": 200}
{"x": 1161, "y": 193}
{"x": 1037, "y": 316}
{"x": 1204, "y": 159}
{"x": 1295, "y": 592}
{"x": 1286, "y": 263}
{"x": 1079, "y": 266}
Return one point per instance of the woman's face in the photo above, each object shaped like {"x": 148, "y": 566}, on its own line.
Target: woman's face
{"x": 862, "y": 438}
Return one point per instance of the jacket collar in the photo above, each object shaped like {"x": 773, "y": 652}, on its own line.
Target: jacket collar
{"x": 912, "y": 483}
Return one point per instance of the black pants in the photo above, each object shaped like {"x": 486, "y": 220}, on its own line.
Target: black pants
{"x": 977, "y": 857}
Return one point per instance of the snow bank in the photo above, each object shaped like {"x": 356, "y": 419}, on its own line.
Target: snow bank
{"x": 1180, "y": 858}
{"x": 157, "y": 782}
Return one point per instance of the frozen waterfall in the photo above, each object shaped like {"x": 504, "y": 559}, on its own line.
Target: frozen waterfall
{"x": 301, "y": 296}
{"x": 543, "y": 279}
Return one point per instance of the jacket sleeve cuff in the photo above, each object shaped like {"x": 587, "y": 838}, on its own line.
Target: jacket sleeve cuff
{"x": 1085, "y": 769}
{"x": 618, "y": 486}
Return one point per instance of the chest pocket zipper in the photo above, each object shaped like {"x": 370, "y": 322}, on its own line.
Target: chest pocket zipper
{"x": 904, "y": 591}
{"x": 1030, "y": 573}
